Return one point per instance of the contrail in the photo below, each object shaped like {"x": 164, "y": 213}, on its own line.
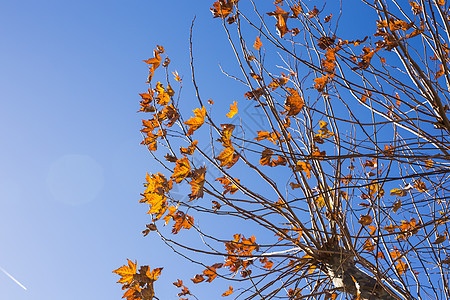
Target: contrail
{"x": 15, "y": 280}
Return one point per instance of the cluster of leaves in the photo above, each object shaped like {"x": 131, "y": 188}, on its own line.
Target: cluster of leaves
{"x": 138, "y": 284}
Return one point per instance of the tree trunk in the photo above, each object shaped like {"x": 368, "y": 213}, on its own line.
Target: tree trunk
{"x": 346, "y": 276}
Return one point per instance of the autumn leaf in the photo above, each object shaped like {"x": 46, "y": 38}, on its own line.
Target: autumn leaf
{"x": 305, "y": 167}
{"x": 440, "y": 72}
{"x": 189, "y": 150}
{"x": 281, "y": 17}
{"x": 181, "y": 170}
{"x": 266, "y": 155}
{"x": 222, "y": 8}
{"x": 197, "y": 183}
{"x": 401, "y": 267}
{"x": 155, "y": 61}
{"x": 321, "y": 82}
{"x": 257, "y": 44}
{"x": 399, "y": 192}
{"x": 365, "y": 220}
{"x": 267, "y": 264}
{"x": 368, "y": 245}
{"x": 196, "y": 122}
{"x": 228, "y": 186}
{"x": 314, "y": 12}
{"x": 181, "y": 221}
{"x": 226, "y": 156}
{"x": 233, "y": 110}
{"x": 294, "y": 103}
{"x": 198, "y": 278}
{"x": 440, "y": 239}
{"x": 126, "y": 272}
{"x": 229, "y": 292}
{"x": 177, "y": 77}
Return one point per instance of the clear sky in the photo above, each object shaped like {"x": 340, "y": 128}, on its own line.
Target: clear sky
{"x": 71, "y": 165}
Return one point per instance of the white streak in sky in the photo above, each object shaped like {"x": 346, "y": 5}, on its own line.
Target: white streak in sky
{"x": 15, "y": 280}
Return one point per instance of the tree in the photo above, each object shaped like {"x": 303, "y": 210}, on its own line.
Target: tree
{"x": 346, "y": 181}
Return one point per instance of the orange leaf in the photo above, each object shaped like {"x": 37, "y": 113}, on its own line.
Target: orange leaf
{"x": 440, "y": 72}
{"x": 257, "y": 44}
{"x": 226, "y": 156}
{"x": 233, "y": 110}
{"x": 197, "y": 183}
{"x": 227, "y": 185}
{"x": 189, "y": 150}
{"x": 127, "y": 272}
{"x": 229, "y": 292}
{"x": 266, "y": 155}
{"x": 281, "y": 17}
{"x": 198, "y": 278}
{"x": 222, "y": 8}
{"x": 181, "y": 221}
{"x": 196, "y": 122}
{"x": 294, "y": 103}
{"x": 365, "y": 220}
{"x": 401, "y": 267}
{"x": 267, "y": 264}
{"x": 320, "y": 83}
{"x": 181, "y": 170}
{"x": 177, "y": 77}
{"x": 305, "y": 167}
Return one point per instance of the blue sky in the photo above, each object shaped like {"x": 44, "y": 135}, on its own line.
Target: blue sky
{"x": 71, "y": 165}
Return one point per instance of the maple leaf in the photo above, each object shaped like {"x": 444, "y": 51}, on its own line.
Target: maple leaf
{"x": 305, "y": 167}
{"x": 198, "y": 278}
{"x": 197, "y": 183}
{"x": 257, "y": 44}
{"x": 181, "y": 170}
{"x": 223, "y": 8}
{"x": 226, "y": 157}
{"x": 294, "y": 103}
{"x": 228, "y": 186}
{"x": 189, "y": 150}
{"x": 181, "y": 221}
{"x": 156, "y": 187}
{"x": 401, "y": 267}
{"x": 314, "y": 12}
{"x": 196, "y": 122}
{"x": 267, "y": 264}
{"x": 365, "y": 220}
{"x": 155, "y": 61}
{"x": 127, "y": 272}
{"x": 368, "y": 245}
{"x": 266, "y": 155}
{"x": 233, "y": 110}
{"x": 321, "y": 82}
{"x": 229, "y": 292}
{"x": 281, "y": 17}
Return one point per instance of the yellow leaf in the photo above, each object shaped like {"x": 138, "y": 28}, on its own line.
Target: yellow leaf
{"x": 305, "y": 167}
{"x": 226, "y": 156}
{"x": 189, "y": 150}
{"x": 181, "y": 170}
{"x": 257, "y": 44}
{"x": 401, "y": 267}
{"x": 233, "y": 110}
{"x": 127, "y": 272}
{"x": 196, "y": 122}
